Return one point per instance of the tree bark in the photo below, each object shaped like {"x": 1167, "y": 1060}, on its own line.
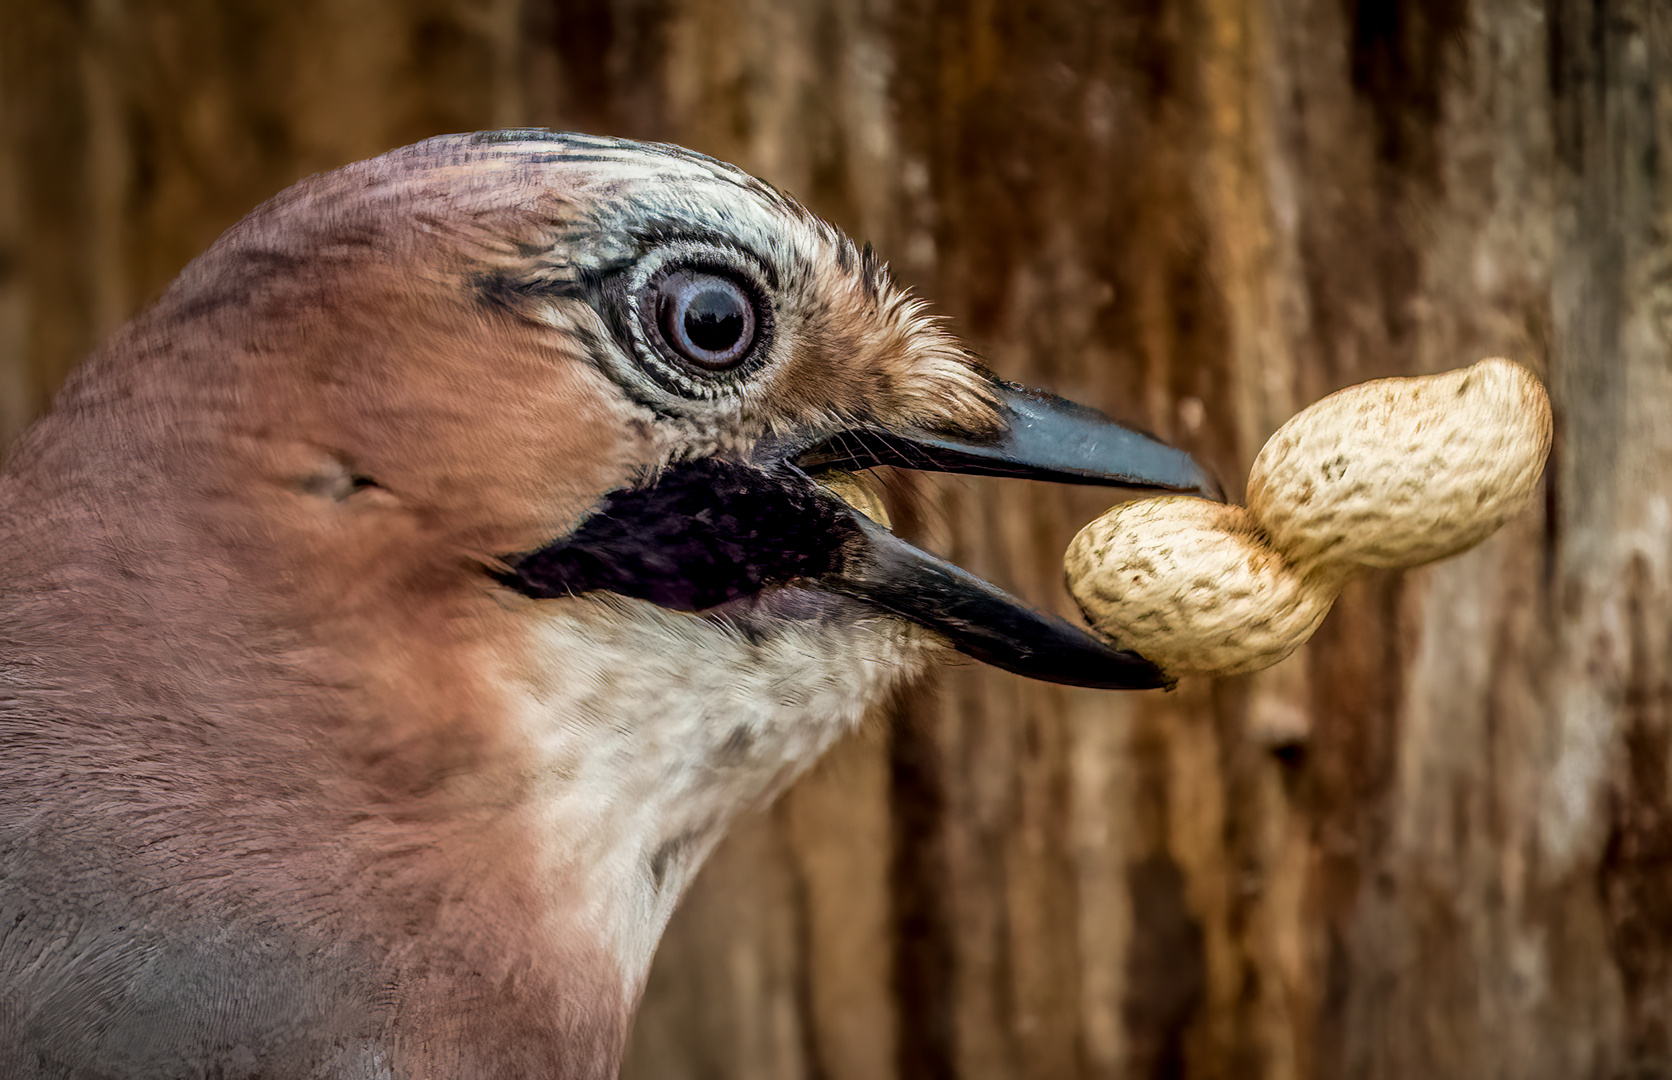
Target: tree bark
{"x": 1437, "y": 842}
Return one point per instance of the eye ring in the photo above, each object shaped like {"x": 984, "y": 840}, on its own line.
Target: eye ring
{"x": 707, "y": 319}
{"x": 634, "y": 305}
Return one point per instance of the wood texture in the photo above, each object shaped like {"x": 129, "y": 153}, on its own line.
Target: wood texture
{"x": 1435, "y": 843}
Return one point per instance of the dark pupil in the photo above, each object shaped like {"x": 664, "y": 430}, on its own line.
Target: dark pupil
{"x": 714, "y": 320}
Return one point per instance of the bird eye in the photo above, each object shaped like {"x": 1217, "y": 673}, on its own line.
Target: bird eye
{"x": 705, "y": 318}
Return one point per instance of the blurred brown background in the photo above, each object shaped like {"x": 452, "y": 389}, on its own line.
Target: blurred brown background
{"x": 1438, "y": 841}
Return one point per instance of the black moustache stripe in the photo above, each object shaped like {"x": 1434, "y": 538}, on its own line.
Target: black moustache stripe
{"x": 704, "y": 532}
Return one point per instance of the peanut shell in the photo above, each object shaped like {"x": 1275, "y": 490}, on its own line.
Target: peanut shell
{"x": 1398, "y": 472}
{"x": 1192, "y": 586}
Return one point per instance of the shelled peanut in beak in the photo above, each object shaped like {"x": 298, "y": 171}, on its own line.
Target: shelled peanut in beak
{"x": 1390, "y": 473}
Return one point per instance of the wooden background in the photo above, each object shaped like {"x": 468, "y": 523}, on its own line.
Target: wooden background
{"x": 1437, "y": 842}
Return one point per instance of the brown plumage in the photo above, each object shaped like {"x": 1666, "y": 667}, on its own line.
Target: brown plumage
{"x": 297, "y": 776}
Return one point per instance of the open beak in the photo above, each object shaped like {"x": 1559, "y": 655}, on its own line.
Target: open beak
{"x": 1043, "y": 438}
{"x": 709, "y": 531}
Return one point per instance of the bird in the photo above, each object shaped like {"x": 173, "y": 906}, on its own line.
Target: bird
{"x": 395, "y": 613}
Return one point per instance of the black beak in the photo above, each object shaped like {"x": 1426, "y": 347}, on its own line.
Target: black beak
{"x": 981, "y": 619}
{"x": 709, "y": 531}
{"x": 1043, "y": 437}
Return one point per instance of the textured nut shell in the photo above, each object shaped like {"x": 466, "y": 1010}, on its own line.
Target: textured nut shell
{"x": 1398, "y": 472}
{"x": 1192, "y": 586}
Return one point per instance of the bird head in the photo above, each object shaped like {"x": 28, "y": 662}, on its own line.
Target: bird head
{"x": 595, "y": 366}
{"x": 488, "y": 492}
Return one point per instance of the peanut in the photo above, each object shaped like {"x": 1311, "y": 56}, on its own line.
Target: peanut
{"x": 1390, "y": 473}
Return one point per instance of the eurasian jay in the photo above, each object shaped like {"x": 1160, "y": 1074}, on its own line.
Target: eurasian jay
{"x": 394, "y": 615}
